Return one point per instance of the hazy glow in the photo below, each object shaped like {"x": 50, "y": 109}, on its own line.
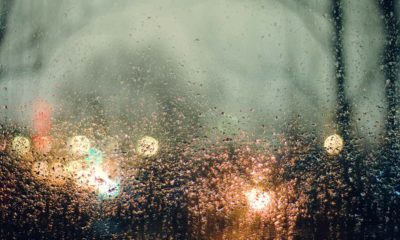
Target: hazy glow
{"x": 79, "y": 145}
{"x": 41, "y": 117}
{"x": 42, "y": 144}
{"x": 333, "y": 144}
{"x": 257, "y": 199}
{"x": 147, "y": 146}
{"x": 40, "y": 169}
{"x": 92, "y": 173}
{"x": 96, "y": 178}
{"x": 106, "y": 187}
{"x": 21, "y": 145}
{"x": 109, "y": 188}
{"x": 94, "y": 156}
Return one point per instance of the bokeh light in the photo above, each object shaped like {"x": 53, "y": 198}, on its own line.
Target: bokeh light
{"x": 333, "y": 144}
{"x": 109, "y": 188}
{"x": 100, "y": 180}
{"x": 257, "y": 199}
{"x": 21, "y": 145}
{"x": 41, "y": 144}
{"x": 41, "y": 117}
{"x": 57, "y": 173}
{"x": 147, "y": 146}
{"x": 94, "y": 156}
{"x": 40, "y": 169}
{"x": 96, "y": 175}
{"x": 95, "y": 178}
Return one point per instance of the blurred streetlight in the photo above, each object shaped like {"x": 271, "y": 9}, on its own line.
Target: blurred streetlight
{"x": 147, "y": 146}
{"x": 42, "y": 144}
{"x": 258, "y": 200}
{"x": 334, "y": 144}
{"x": 21, "y": 145}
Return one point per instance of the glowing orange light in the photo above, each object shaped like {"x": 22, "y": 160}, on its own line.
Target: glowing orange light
{"x": 42, "y": 144}
{"x": 41, "y": 117}
{"x": 257, "y": 199}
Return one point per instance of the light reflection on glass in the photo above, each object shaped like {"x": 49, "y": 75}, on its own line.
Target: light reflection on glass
{"x": 147, "y": 146}
{"x": 21, "y": 145}
{"x": 257, "y": 199}
{"x": 334, "y": 144}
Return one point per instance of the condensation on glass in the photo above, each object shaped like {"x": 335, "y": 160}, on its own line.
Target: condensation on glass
{"x": 199, "y": 119}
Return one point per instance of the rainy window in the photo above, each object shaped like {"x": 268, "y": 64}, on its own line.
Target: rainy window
{"x": 253, "y": 119}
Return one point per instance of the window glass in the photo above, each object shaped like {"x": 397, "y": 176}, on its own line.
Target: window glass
{"x": 241, "y": 119}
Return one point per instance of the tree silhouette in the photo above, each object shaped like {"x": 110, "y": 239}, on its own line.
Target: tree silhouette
{"x": 390, "y": 62}
{"x": 389, "y": 161}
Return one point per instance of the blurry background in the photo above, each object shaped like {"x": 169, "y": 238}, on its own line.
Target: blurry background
{"x": 289, "y": 73}
{"x": 262, "y": 62}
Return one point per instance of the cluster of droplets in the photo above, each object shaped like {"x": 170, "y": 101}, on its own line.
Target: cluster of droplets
{"x": 237, "y": 195}
{"x": 233, "y": 190}
{"x": 83, "y": 163}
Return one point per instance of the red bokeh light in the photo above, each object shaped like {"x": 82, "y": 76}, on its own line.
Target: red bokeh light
{"x": 41, "y": 117}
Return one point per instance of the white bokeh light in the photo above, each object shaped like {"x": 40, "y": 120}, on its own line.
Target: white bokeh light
{"x": 21, "y": 145}
{"x": 258, "y": 200}
{"x": 147, "y": 146}
{"x": 333, "y": 144}
{"x": 94, "y": 176}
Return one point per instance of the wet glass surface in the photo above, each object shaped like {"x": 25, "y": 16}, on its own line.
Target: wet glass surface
{"x": 199, "y": 119}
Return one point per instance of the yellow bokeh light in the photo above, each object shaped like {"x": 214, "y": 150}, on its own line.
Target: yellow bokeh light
{"x": 258, "y": 200}
{"x": 79, "y": 145}
{"x": 40, "y": 169}
{"x": 333, "y": 144}
{"x": 21, "y": 145}
{"x": 147, "y": 146}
